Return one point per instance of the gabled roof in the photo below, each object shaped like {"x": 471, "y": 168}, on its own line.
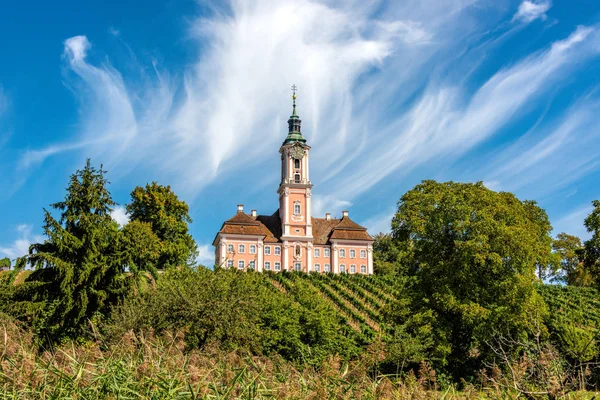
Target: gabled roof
{"x": 347, "y": 229}
{"x": 322, "y": 229}
{"x": 269, "y": 226}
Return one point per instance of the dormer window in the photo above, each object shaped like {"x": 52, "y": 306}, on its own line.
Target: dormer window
{"x": 297, "y": 163}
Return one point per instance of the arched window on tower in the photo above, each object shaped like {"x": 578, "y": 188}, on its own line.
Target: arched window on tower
{"x": 297, "y": 208}
{"x": 296, "y": 163}
{"x": 297, "y": 178}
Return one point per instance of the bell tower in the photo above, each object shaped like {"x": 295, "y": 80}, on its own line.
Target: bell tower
{"x": 295, "y": 188}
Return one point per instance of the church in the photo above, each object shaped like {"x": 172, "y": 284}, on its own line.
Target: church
{"x": 291, "y": 239}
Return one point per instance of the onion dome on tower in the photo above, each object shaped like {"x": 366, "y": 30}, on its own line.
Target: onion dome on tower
{"x": 294, "y": 124}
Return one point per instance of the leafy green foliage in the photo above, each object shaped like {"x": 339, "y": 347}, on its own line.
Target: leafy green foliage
{"x": 475, "y": 255}
{"x": 236, "y": 310}
{"x": 571, "y": 268}
{"x": 139, "y": 249}
{"x": 591, "y": 252}
{"x": 390, "y": 257}
{"x": 168, "y": 216}
{"x": 4, "y": 263}
{"x": 78, "y": 274}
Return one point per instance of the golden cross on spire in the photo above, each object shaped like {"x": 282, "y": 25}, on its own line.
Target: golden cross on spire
{"x": 294, "y": 88}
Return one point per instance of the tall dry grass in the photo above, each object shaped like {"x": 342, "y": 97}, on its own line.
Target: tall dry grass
{"x": 148, "y": 366}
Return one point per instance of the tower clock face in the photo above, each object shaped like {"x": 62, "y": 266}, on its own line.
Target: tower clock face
{"x": 297, "y": 152}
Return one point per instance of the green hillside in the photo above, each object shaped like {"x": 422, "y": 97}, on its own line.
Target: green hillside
{"x": 576, "y": 304}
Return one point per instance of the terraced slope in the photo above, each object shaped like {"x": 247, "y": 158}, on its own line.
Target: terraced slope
{"x": 581, "y": 305}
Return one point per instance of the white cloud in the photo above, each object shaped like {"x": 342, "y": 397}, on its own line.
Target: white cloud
{"x": 572, "y": 223}
{"x": 76, "y": 48}
{"x": 328, "y": 204}
{"x": 530, "y": 10}
{"x": 552, "y": 155}
{"x": 119, "y": 214}
{"x": 206, "y": 255}
{"x": 20, "y": 246}
{"x": 233, "y": 105}
{"x": 443, "y": 123}
{"x": 362, "y": 99}
{"x": 381, "y": 223}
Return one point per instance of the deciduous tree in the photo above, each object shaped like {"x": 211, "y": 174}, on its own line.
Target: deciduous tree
{"x": 591, "y": 252}
{"x": 475, "y": 256}
{"x": 571, "y": 269}
{"x": 168, "y": 217}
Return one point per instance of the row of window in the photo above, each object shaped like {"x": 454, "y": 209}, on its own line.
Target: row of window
{"x": 297, "y": 266}
{"x": 363, "y": 253}
{"x": 277, "y": 251}
{"x": 252, "y": 249}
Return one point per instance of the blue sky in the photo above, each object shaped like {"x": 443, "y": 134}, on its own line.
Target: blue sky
{"x": 196, "y": 95}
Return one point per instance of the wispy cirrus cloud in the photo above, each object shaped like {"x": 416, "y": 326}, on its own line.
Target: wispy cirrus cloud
{"x": 384, "y": 89}
{"x": 572, "y": 222}
{"x": 20, "y": 246}
{"x": 554, "y": 154}
{"x": 446, "y": 122}
{"x": 530, "y": 10}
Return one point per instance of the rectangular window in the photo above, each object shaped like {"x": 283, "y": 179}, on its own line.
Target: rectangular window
{"x": 230, "y": 263}
{"x": 363, "y": 254}
{"x": 326, "y": 253}
{"x": 267, "y": 250}
{"x": 252, "y": 264}
{"x": 297, "y": 210}
{"x": 241, "y": 264}
{"x": 352, "y": 253}
{"x": 353, "y": 269}
{"x": 267, "y": 265}
{"x": 230, "y": 248}
{"x": 342, "y": 268}
{"x": 277, "y": 266}
{"x": 252, "y": 249}
{"x": 241, "y": 248}
{"x": 317, "y": 252}
{"x": 277, "y": 250}
{"x": 317, "y": 267}
{"x": 297, "y": 266}
{"x": 363, "y": 269}
{"x": 326, "y": 268}
{"x": 342, "y": 253}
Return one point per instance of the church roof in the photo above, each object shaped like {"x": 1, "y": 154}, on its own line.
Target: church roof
{"x": 349, "y": 230}
{"x": 269, "y": 226}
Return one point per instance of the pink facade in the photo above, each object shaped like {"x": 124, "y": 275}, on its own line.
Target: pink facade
{"x": 291, "y": 238}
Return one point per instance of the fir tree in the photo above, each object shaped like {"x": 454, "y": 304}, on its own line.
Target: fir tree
{"x": 78, "y": 274}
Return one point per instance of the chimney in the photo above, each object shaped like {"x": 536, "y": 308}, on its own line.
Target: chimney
{"x": 345, "y": 214}
{"x": 254, "y": 213}
{"x": 327, "y": 216}
{"x": 240, "y": 208}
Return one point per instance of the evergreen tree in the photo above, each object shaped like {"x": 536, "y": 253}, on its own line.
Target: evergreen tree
{"x": 77, "y": 273}
{"x": 168, "y": 216}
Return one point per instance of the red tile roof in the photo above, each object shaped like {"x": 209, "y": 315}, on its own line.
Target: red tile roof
{"x": 269, "y": 226}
